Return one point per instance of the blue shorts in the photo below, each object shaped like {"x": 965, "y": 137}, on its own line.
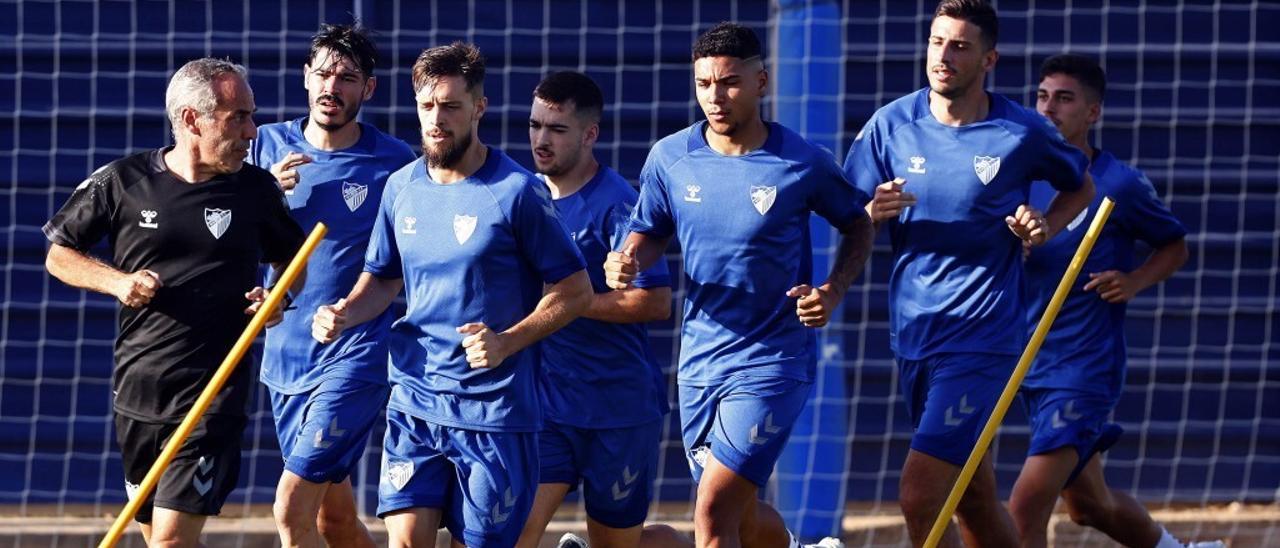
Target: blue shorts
{"x": 744, "y": 422}
{"x": 1069, "y": 418}
{"x": 323, "y": 432}
{"x": 616, "y": 467}
{"x": 949, "y": 398}
{"x": 484, "y": 482}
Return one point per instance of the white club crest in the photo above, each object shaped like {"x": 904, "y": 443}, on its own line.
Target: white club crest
{"x": 398, "y": 473}
{"x": 1079, "y": 219}
{"x": 463, "y": 226}
{"x": 986, "y": 167}
{"x": 354, "y": 194}
{"x": 408, "y": 225}
{"x": 763, "y": 197}
{"x": 149, "y": 219}
{"x": 217, "y": 220}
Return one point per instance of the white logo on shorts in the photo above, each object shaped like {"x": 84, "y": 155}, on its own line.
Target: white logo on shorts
{"x": 131, "y": 489}
{"x": 699, "y": 456}
{"x": 398, "y": 473}
{"x": 202, "y": 480}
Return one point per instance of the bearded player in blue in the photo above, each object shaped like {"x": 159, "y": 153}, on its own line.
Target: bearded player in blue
{"x": 737, "y": 192}
{"x": 603, "y": 395}
{"x": 472, "y": 238}
{"x": 325, "y": 399}
{"x": 1078, "y": 376}
{"x": 955, "y": 290}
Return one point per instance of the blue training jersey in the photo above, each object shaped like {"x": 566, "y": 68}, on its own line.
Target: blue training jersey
{"x": 743, "y": 227}
{"x": 598, "y": 374}
{"x": 476, "y": 250}
{"x": 1085, "y": 349}
{"x": 956, "y": 283}
{"x": 341, "y": 188}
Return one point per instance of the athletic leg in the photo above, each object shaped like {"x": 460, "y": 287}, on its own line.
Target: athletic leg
{"x": 339, "y": 522}
{"x": 174, "y": 529}
{"x": 545, "y": 503}
{"x": 1093, "y": 504}
{"x": 1036, "y": 493}
{"x": 296, "y": 507}
{"x": 412, "y": 527}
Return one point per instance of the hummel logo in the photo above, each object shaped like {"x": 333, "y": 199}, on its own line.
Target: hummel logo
{"x": 408, "y": 225}
{"x": 507, "y": 503}
{"x": 1067, "y": 411}
{"x": 917, "y": 164}
{"x": 769, "y": 428}
{"x": 627, "y": 480}
{"x": 148, "y": 219}
{"x": 964, "y": 410}
{"x": 334, "y": 432}
{"x": 691, "y": 194}
{"x": 202, "y": 480}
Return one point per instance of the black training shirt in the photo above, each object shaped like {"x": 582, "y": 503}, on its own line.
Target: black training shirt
{"x": 205, "y": 241}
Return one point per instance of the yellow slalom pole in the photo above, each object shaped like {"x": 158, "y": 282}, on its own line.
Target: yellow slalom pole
{"x": 215, "y": 385}
{"x": 1015, "y": 381}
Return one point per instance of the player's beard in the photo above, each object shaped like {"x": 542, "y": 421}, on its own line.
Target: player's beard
{"x": 348, "y": 113}
{"x": 449, "y": 155}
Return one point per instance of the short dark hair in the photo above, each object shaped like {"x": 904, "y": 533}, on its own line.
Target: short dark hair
{"x": 1085, "y": 70}
{"x": 977, "y": 12}
{"x": 350, "y": 42}
{"x": 559, "y": 88}
{"x": 456, "y": 59}
{"x": 727, "y": 40}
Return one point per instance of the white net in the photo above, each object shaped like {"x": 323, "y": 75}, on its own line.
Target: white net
{"x": 1193, "y": 100}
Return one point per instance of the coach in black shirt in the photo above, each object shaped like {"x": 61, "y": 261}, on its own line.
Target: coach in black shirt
{"x": 187, "y": 227}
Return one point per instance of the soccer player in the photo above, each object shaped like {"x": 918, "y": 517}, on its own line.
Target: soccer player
{"x": 1077, "y": 378}
{"x": 602, "y": 393}
{"x": 955, "y": 289}
{"x": 472, "y": 238}
{"x": 188, "y": 226}
{"x": 325, "y": 399}
{"x": 737, "y": 192}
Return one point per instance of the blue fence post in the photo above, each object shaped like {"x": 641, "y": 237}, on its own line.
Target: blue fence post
{"x": 806, "y": 79}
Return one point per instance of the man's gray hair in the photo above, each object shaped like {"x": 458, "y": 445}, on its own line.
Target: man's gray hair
{"x": 192, "y": 86}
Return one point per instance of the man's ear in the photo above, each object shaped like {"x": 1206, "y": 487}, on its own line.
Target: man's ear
{"x": 190, "y": 121}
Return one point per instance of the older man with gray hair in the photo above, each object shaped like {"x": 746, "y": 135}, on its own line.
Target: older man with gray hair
{"x": 188, "y": 226}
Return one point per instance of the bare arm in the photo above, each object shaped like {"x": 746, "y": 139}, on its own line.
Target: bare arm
{"x": 639, "y": 252}
{"x": 632, "y": 305}
{"x": 367, "y": 299}
{"x": 78, "y": 269}
{"x": 815, "y": 305}
{"x": 560, "y": 304}
{"x": 1115, "y": 286}
{"x": 1066, "y": 205}
{"x": 1035, "y": 228}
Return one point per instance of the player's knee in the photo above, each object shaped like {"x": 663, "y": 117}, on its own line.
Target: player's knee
{"x": 717, "y": 514}
{"x": 1087, "y": 511}
{"x": 289, "y": 519}
{"x": 336, "y": 525}
{"x": 915, "y": 499}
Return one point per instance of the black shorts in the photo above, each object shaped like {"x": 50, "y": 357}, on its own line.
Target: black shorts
{"x": 200, "y": 476}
